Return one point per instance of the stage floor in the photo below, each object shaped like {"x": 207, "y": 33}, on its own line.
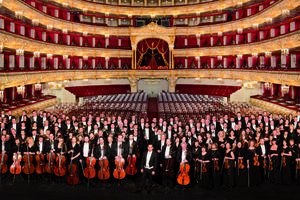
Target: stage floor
{"x": 113, "y": 191}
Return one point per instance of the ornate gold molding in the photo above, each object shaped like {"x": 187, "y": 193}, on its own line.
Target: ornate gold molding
{"x": 152, "y": 30}
{"x": 125, "y": 10}
{"x": 18, "y": 42}
{"x": 270, "y": 12}
{"x": 23, "y": 78}
{"x": 287, "y": 41}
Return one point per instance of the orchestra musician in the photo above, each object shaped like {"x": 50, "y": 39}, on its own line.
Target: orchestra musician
{"x": 148, "y": 167}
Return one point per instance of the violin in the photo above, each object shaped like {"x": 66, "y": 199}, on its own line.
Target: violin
{"x": 28, "y": 167}
{"x": 119, "y": 172}
{"x": 73, "y": 177}
{"x": 227, "y": 165}
{"x": 241, "y": 165}
{"x": 204, "y": 169}
{"x": 283, "y": 161}
{"x": 216, "y": 165}
{"x": 3, "y": 165}
{"x": 103, "y": 173}
{"x": 183, "y": 178}
{"x": 51, "y": 158}
{"x": 15, "y": 168}
{"x": 265, "y": 166}
{"x": 60, "y": 168}
{"x": 89, "y": 171}
{"x": 131, "y": 168}
{"x": 40, "y": 164}
{"x": 270, "y": 164}
{"x": 256, "y": 162}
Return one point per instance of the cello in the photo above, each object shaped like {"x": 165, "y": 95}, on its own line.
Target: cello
{"x": 119, "y": 172}
{"x": 40, "y": 164}
{"x": 3, "y": 165}
{"x": 28, "y": 167}
{"x": 15, "y": 168}
{"x": 168, "y": 171}
{"x": 103, "y": 173}
{"x": 183, "y": 178}
{"x": 131, "y": 168}
{"x": 60, "y": 168}
{"x": 73, "y": 177}
{"x": 50, "y": 165}
{"x": 89, "y": 171}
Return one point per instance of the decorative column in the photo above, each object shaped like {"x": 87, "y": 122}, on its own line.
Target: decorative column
{"x": 171, "y": 47}
{"x": 133, "y": 84}
{"x": 159, "y": 2}
{"x": 106, "y": 62}
{"x": 172, "y": 83}
{"x": 106, "y": 40}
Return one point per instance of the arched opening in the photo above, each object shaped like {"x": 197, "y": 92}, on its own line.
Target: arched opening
{"x": 152, "y": 54}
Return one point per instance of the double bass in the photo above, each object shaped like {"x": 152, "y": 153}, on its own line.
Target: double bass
{"x": 60, "y": 168}
{"x": 183, "y": 178}
{"x": 73, "y": 177}
{"x": 89, "y": 171}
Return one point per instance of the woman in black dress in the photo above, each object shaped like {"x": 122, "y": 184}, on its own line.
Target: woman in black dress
{"x": 216, "y": 164}
{"x": 228, "y": 170}
{"x": 285, "y": 167}
{"x": 274, "y": 176}
{"x": 253, "y": 165}
{"x": 297, "y": 160}
{"x": 204, "y": 171}
{"x": 240, "y": 165}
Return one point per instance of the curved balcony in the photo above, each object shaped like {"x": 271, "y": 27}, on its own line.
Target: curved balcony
{"x": 181, "y": 42}
{"x": 271, "y": 12}
{"x": 32, "y": 77}
{"x": 195, "y": 19}
{"x": 204, "y": 6}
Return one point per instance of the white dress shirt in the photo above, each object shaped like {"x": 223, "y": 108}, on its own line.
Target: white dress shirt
{"x": 148, "y": 160}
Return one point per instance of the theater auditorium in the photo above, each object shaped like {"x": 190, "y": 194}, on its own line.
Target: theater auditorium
{"x": 148, "y": 99}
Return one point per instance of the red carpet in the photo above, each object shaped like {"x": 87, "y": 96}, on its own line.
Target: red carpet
{"x": 152, "y": 108}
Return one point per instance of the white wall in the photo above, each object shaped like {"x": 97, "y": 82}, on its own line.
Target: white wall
{"x": 243, "y": 95}
{"x": 98, "y": 82}
{"x": 153, "y": 86}
{"x": 206, "y": 81}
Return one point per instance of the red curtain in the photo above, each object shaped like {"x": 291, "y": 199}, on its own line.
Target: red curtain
{"x": 152, "y": 45}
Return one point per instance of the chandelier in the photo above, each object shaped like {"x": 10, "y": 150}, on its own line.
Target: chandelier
{"x": 285, "y": 89}
{"x": 21, "y": 90}
{"x": 1, "y": 94}
{"x": 38, "y": 86}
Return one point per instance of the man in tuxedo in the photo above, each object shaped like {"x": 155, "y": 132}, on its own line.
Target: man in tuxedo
{"x": 37, "y": 119}
{"x": 148, "y": 167}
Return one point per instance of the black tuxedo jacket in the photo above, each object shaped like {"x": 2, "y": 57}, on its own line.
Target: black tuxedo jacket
{"x": 98, "y": 151}
{"x": 115, "y": 147}
{"x": 153, "y": 162}
{"x": 188, "y": 155}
